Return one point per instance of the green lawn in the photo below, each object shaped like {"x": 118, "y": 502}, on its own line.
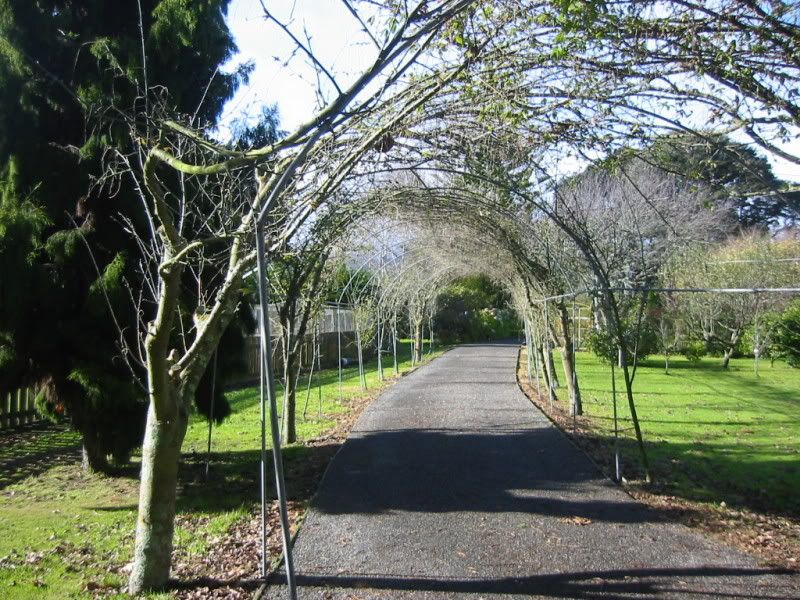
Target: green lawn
{"x": 65, "y": 534}
{"x": 711, "y": 434}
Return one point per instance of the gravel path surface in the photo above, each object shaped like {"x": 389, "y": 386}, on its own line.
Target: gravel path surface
{"x": 452, "y": 485}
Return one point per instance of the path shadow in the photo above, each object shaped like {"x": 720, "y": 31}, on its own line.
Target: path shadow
{"x": 623, "y": 583}
{"x": 433, "y": 471}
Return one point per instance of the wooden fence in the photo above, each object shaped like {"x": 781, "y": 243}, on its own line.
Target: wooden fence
{"x": 17, "y": 408}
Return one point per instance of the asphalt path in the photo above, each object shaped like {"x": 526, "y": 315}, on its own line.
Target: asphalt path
{"x": 453, "y": 485}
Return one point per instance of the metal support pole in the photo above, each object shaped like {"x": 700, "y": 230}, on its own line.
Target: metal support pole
{"x": 411, "y": 332}
{"x": 537, "y": 366}
{"x": 339, "y": 346}
{"x": 268, "y": 395}
{"x": 319, "y": 370}
{"x": 617, "y": 468}
{"x": 394, "y": 343}
{"x": 757, "y": 349}
{"x": 362, "y": 380}
{"x": 548, "y": 350}
{"x": 211, "y": 410}
{"x": 528, "y": 349}
{"x": 310, "y": 373}
{"x": 379, "y": 345}
{"x": 574, "y": 373}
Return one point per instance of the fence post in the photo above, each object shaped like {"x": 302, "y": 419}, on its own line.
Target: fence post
{"x": 15, "y": 408}
{"x": 5, "y": 402}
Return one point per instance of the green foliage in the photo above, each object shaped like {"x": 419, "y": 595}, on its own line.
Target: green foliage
{"x": 739, "y": 176}
{"x": 68, "y": 70}
{"x": 602, "y": 345}
{"x": 473, "y": 309}
{"x": 643, "y": 339}
{"x": 348, "y": 285}
{"x": 694, "y": 351}
{"x": 786, "y": 336}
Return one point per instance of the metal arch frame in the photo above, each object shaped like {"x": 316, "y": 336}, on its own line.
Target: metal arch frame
{"x": 268, "y": 402}
{"x": 267, "y": 392}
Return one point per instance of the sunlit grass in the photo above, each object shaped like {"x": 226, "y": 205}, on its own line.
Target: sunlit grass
{"x": 712, "y": 434}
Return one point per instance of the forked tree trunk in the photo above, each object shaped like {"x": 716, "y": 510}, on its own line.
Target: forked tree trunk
{"x": 726, "y": 358}
{"x": 158, "y": 489}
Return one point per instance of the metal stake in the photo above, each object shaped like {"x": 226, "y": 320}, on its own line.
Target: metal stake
{"x": 617, "y": 469}
{"x": 310, "y": 374}
{"x": 268, "y": 395}
{"x": 546, "y": 339}
{"x": 528, "y": 349}
{"x": 394, "y": 342}
{"x": 574, "y": 371}
{"x": 319, "y": 370}
{"x": 339, "y": 346}
{"x": 211, "y": 410}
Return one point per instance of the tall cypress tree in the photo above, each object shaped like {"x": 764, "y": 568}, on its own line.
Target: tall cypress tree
{"x": 68, "y": 69}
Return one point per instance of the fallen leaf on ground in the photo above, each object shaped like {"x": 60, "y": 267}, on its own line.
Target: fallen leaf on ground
{"x": 576, "y": 520}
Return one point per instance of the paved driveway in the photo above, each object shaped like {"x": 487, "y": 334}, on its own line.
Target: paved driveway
{"x": 453, "y": 485}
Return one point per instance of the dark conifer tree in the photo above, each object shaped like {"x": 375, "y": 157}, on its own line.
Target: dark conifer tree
{"x": 69, "y": 70}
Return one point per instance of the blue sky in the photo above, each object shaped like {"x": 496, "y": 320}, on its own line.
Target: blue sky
{"x": 286, "y": 80}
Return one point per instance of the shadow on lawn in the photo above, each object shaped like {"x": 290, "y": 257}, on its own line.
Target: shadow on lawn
{"x": 234, "y": 477}
{"x": 33, "y": 449}
{"x": 704, "y": 472}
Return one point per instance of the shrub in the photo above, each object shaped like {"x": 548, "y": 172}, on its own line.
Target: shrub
{"x": 694, "y": 351}
{"x": 786, "y": 338}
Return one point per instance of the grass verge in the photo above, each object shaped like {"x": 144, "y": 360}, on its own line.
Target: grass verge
{"x": 723, "y": 444}
{"x": 69, "y": 534}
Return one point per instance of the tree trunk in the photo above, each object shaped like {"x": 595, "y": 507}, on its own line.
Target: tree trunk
{"x": 635, "y": 418}
{"x": 289, "y": 433}
{"x": 418, "y": 341}
{"x": 539, "y": 349}
{"x": 568, "y": 361}
{"x": 93, "y": 459}
{"x": 158, "y": 489}
{"x": 551, "y": 366}
{"x": 726, "y": 358}
{"x": 394, "y": 345}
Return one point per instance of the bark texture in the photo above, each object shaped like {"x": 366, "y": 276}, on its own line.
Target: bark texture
{"x": 158, "y": 489}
